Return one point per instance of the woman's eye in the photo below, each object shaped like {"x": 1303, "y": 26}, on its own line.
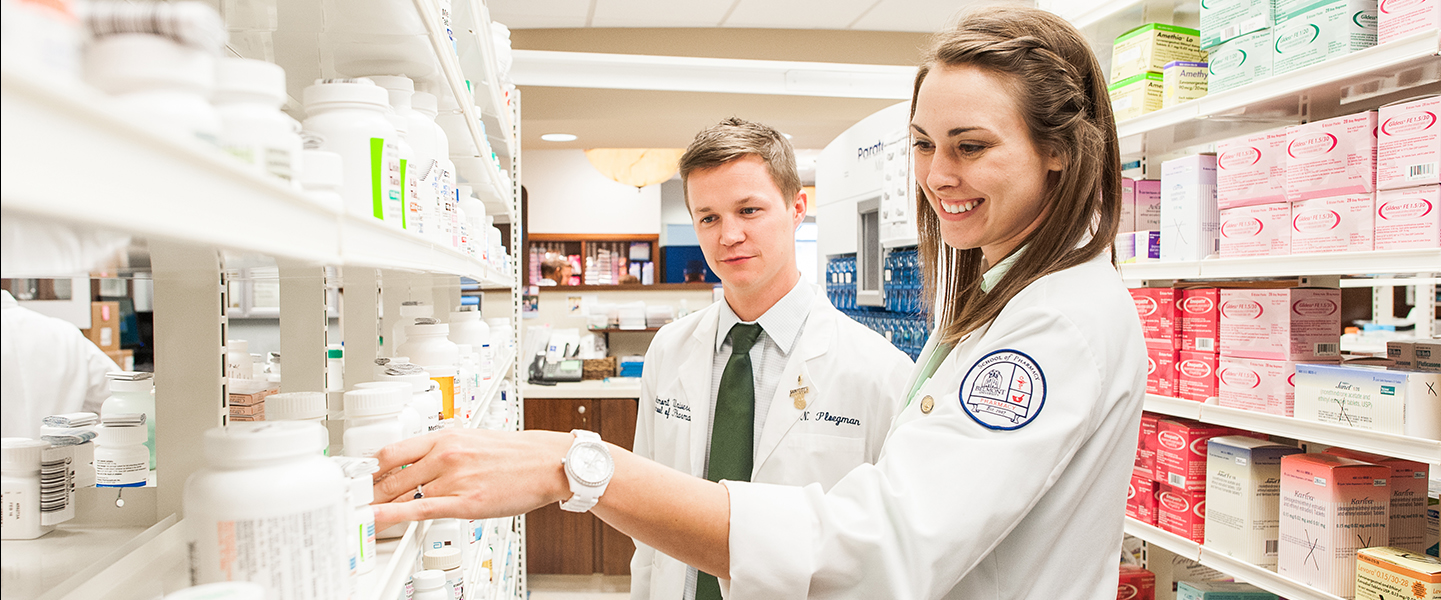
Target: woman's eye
{"x": 922, "y": 145}
{"x": 970, "y": 148}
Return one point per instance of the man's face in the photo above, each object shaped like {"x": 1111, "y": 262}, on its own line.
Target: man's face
{"x": 745, "y": 226}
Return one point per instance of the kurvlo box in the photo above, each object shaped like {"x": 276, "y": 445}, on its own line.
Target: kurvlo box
{"x": 1190, "y": 218}
{"x": 1408, "y": 497}
{"x": 1251, "y": 169}
{"x": 1281, "y": 324}
{"x": 1330, "y": 508}
{"x": 1181, "y": 452}
{"x": 1242, "y": 61}
{"x": 1260, "y": 230}
{"x": 1309, "y": 32}
{"x": 1408, "y": 144}
{"x": 1149, "y": 47}
{"x": 1408, "y": 218}
{"x": 1243, "y": 493}
{"x": 1331, "y": 157}
{"x": 1334, "y": 224}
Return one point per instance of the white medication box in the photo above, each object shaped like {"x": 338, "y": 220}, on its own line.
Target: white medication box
{"x": 1261, "y": 230}
{"x": 1408, "y": 144}
{"x": 1330, "y": 508}
{"x": 1409, "y": 218}
{"x": 1332, "y": 157}
{"x": 1182, "y": 81}
{"x": 1408, "y": 496}
{"x": 1370, "y": 398}
{"x": 1150, "y": 46}
{"x": 1396, "y": 19}
{"x": 1310, "y": 32}
{"x": 1190, "y": 218}
{"x": 1137, "y": 95}
{"x": 1397, "y": 574}
{"x": 1243, "y": 496}
{"x": 1335, "y": 224}
{"x": 1284, "y": 324}
{"x": 1251, "y": 170}
{"x": 1257, "y": 385}
{"x": 1225, "y": 20}
{"x": 1246, "y": 59}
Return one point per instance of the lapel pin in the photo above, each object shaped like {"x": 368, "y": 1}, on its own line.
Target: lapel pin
{"x": 927, "y": 404}
{"x": 798, "y": 395}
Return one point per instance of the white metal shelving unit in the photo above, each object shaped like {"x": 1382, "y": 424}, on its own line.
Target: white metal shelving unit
{"x": 195, "y": 207}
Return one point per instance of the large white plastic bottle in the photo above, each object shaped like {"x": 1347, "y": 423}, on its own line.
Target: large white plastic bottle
{"x": 372, "y": 420}
{"x": 133, "y": 392}
{"x": 466, "y": 327}
{"x": 347, "y": 116}
{"x": 248, "y": 97}
{"x": 163, "y": 83}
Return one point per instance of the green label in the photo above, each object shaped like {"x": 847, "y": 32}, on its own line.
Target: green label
{"x": 1297, "y": 39}
{"x": 405, "y": 190}
{"x": 1365, "y": 19}
{"x": 1388, "y": 390}
{"x": 1227, "y": 62}
{"x": 377, "y": 175}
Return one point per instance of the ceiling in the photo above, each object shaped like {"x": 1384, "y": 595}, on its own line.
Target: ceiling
{"x": 863, "y": 32}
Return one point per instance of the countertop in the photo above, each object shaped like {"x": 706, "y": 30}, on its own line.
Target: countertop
{"x": 613, "y": 387}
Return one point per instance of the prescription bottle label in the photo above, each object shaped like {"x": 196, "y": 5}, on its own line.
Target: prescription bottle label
{"x": 110, "y": 473}
{"x": 387, "y": 187}
{"x": 295, "y": 555}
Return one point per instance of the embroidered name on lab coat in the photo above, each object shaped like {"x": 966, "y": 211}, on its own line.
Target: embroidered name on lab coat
{"x": 1004, "y": 390}
{"x": 837, "y": 420}
{"x": 672, "y": 408}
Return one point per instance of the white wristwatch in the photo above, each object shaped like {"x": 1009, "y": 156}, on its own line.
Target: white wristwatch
{"x": 588, "y": 466}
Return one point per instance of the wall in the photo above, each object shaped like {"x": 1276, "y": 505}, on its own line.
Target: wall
{"x": 676, "y": 227}
{"x": 567, "y": 195}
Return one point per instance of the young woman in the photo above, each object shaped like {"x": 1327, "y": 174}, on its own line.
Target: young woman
{"x": 1005, "y": 474}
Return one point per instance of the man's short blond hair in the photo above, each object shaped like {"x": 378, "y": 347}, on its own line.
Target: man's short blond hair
{"x": 736, "y": 138}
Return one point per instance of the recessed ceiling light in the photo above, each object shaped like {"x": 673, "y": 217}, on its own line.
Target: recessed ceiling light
{"x": 558, "y": 137}
{"x": 788, "y": 136}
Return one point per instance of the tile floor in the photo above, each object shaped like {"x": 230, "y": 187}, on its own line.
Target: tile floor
{"x": 579, "y": 587}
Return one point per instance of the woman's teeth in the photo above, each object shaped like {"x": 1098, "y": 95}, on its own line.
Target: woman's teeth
{"x": 956, "y": 209}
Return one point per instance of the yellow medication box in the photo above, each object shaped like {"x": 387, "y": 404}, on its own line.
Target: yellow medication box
{"x": 1137, "y": 96}
{"x": 1395, "y": 574}
{"x": 1149, "y": 47}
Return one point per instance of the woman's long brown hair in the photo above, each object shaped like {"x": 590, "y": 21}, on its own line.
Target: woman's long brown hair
{"x": 1062, "y": 96}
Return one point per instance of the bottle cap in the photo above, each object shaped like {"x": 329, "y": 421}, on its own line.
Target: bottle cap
{"x": 362, "y": 490}
{"x": 225, "y": 590}
{"x": 246, "y": 443}
{"x": 429, "y": 579}
{"x": 411, "y": 309}
{"x": 239, "y": 79}
{"x": 417, "y": 382}
{"x": 294, "y": 406}
{"x": 21, "y": 455}
{"x": 121, "y": 435}
{"x": 334, "y": 352}
{"x": 132, "y": 62}
{"x": 465, "y": 316}
{"x": 441, "y": 371}
{"x": 357, "y": 91}
{"x": 442, "y": 559}
{"x": 373, "y": 402}
{"x": 321, "y": 170}
{"x": 427, "y": 329}
{"x": 425, "y": 104}
{"x": 404, "y": 388}
{"x": 399, "y": 89}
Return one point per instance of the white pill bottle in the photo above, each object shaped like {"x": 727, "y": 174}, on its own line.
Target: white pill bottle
{"x": 270, "y": 509}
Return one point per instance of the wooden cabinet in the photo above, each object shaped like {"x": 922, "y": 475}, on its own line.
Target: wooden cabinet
{"x": 567, "y": 543}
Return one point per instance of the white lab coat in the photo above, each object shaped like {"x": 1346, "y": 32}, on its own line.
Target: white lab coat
{"x": 954, "y": 509}
{"x": 49, "y": 368}
{"x": 855, "y": 380}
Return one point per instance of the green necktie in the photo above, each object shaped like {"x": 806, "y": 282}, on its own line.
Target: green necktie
{"x": 732, "y": 438}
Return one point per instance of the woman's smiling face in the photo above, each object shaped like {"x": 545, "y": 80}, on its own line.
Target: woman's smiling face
{"x": 981, "y": 173}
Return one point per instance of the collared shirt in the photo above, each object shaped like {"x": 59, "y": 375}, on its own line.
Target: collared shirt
{"x": 993, "y": 275}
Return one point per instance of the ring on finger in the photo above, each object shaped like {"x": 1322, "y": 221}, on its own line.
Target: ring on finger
{"x": 419, "y": 491}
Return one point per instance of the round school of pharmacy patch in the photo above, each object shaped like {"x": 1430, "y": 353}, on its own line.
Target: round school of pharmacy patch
{"x": 1004, "y": 390}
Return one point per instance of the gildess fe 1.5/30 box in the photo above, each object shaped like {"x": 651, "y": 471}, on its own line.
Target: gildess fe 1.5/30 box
{"x": 1260, "y": 230}
{"x": 1331, "y": 157}
{"x": 1408, "y": 218}
{"x": 1251, "y": 169}
{"x": 1408, "y": 144}
{"x": 1333, "y": 224}
{"x": 1257, "y": 384}
{"x": 1281, "y": 324}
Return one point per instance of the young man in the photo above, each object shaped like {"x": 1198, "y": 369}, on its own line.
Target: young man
{"x": 774, "y": 384}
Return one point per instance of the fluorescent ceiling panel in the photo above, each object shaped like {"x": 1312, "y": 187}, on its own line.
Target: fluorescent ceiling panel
{"x": 798, "y": 14}
{"x": 659, "y": 13}
{"x": 537, "y": 14}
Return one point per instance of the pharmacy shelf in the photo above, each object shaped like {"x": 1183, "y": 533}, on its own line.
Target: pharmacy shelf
{"x": 1294, "y": 265}
{"x": 1388, "y": 444}
{"x": 395, "y": 562}
{"x": 478, "y": 57}
{"x": 47, "y": 565}
{"x": 1273, "y": 101}
{"x": 145, "y": 183}
{"x": 1258, "y": 576}
{"x": 491, "y": 392}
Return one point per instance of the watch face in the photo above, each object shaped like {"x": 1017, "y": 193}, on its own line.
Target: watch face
{"x": 590, "y": 464}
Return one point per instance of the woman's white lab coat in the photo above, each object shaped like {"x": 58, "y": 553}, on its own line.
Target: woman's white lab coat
{"x": 1004, "y": 477}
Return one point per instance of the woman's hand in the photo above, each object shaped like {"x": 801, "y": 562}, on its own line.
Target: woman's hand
{"x": 470, "y": 474}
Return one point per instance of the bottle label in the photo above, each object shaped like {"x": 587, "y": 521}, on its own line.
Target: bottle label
{"x": 386, "y": 177}
{"x": 294, "y": 554}
{"x": 109, "y": 473}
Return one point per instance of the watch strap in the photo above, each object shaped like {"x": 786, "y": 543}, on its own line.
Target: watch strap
{"x": 579, "y": 502}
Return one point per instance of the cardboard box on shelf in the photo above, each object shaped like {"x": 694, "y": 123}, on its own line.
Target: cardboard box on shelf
{"x": 1171, "y": 569}
{"x": 1128, "y": 206}
{"x": 1161, "y": 371}
{"x": 1281, "y": 324}
{"x": 1221, "y": 590}
{"x": 1149, "y": 47}
{"x": 1181, "y": 452}
{"x": 1257, "y": 384}
{"x": 1182, "y": 512}
{"x": 1196, "y": 375}
{"x": 1148, "y": 205}
{"x": 1310, "y": 32}
{"x": 1225, "y": 20}
{"x": 1137, "y": 95}
{"x": 1415, "y": 354}
{"x": 1243, "y": 495}
{"x": 104, "y": 329}
{"x": 1331, "y": 157}
{"x": 1396, "y": 19}
{"x": 1251, "y": 169}
{"x": 1397, "y": 574}
{"x": 1242, "y": 61}
{"x": 1330, "y": 508}
{"x": 1146, "y": 443}
{"x": 1198, "y": 316}
{"x": 1156, "y": 307}
{"x": 1370, "y": 398}
{"x": 1260, "y": 230}
{"x": 1335, "y": 224}
{"x": 1408, "y": 218}
{"x": 1408, "y": 144}
{"x": 1136, "y": 583}
{"x": 1182, "y": 81}
{"x": 1408, "y": 497}
{"x": 1190, "y": 218}
{"x": 1141, "y": 497}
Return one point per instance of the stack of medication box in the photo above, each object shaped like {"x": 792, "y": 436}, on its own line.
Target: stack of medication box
{"x": 1407, "y": 176}
{"x": 1237, "y": 35}
{"x": 1331, "y": 507}
{"x": 1139, "y": 237}
{"x": 1308, "y": 32}
{"x": 1264, "y": 333}
{"x": 1180, "y": 475}
{"x": 1138, "y": 63}
{"x": 1181, "y": 328}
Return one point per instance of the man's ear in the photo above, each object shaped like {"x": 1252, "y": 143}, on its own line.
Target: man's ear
{"x": 798, "y": 207}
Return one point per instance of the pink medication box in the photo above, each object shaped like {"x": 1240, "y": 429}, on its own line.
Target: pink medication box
{"x": 1256, "y": 384}
{"x": 1251, "y": 170}
{"x": 1261, "y": 230}
{"x": 1330, "y": 508}
{"x": 1198, "y": 316}
{"x": 1148, "y": 205}
{"x": 1141, "y": 497}
{"x": 1161, "y": 370}
{"x": 1196, "y": 375}
{"x": 1399, "y": 18}
{"x": 1136, "y": 583}
{"x": 1146, "y": 443}
{"x": 1182, "y": 512}
{"x": 1285, "y": 324}
{"x": 1408, "y": 219}
{"x": 1335, "y": 224}
{"x": 1156, "y": 308}
{"x": 1333, "y": 157}
{"x": 1408, "y": 144}
{"x": 1181, "y": 452}
{"x": 1128, "y": 205}
{"x": 1408, "y": 497}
